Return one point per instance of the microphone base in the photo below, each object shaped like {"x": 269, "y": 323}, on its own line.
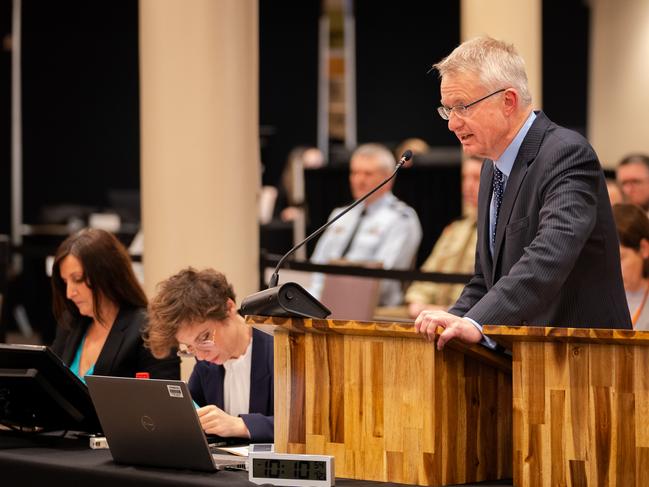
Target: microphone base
{"x": 287, "y": 300}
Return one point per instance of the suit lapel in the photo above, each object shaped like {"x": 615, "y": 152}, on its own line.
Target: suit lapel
{"x": 74, "y": 340}
{"x": 526, "y": 155}
{"x": 484, "y": 201}
{"x": 511, "y": 193}
{"x": 106, "y": 359}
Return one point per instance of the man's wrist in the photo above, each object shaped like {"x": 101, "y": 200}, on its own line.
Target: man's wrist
{"x": 486, "y": 341}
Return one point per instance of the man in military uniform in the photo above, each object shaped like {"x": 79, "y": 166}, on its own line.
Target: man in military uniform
{"x": 382, "y": 230}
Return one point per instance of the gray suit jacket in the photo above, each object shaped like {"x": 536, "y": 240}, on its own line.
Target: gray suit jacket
{"x": 556, "y": 260}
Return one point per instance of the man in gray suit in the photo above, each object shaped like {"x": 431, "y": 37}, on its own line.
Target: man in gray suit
{"x": 547, "y": 251}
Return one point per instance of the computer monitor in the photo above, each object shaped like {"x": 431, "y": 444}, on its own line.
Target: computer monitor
{"x": 38, "y": 392}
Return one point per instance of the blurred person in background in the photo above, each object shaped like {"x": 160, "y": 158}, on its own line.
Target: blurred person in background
{"x": 633, "y": 229}
{"x": 614, "y": 192}
{"x": 414, "y": 144}
{"x": 632, "y": 176}
{"x": 382, "y": 230}
{"x": 454, "y": 251}
{"x": 290, "y": 193}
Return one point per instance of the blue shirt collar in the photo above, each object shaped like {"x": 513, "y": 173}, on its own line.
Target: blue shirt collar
{"x": 506, "y": 161}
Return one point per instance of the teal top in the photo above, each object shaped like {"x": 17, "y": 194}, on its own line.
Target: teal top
{"x": 74, "y": 366}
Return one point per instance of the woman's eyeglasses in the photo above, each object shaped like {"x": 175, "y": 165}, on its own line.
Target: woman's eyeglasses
{"x": 203, "y": 343}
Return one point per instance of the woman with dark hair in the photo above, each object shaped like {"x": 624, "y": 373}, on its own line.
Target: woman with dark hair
{"x": 101, "y": 310}
{"x": 633, "y": 230}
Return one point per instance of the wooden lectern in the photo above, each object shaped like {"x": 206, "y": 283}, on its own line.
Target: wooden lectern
{"x": 387, "y": 405}
{"x": 581, "y": 405}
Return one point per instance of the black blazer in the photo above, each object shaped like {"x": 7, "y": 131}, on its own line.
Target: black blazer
{"x": 556, "y": 260}
{"x": 206, "y": 387}
{"x": 123, "y": 354}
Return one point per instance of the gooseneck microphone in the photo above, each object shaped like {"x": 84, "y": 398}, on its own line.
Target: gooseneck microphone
{"x": 274, "y": 279}
{"x": 291, "y": 299}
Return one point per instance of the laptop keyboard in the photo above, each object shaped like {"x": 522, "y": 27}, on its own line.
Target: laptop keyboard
{"x": 224, "y": 461}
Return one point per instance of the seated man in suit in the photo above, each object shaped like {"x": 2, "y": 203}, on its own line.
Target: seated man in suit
{"x": 547, "y": 250}
{"x": 233, "y": 378}
{"x": 381, "y": 230}
{"x": 454, "y": 251}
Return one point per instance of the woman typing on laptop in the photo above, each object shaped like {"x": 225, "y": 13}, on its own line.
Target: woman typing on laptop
{"x": 101, "y": 310}
{"x": 233, "y": 378}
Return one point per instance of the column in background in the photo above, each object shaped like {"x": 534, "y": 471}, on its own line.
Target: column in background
{"x": 619, "y": 76}
{"x": 199, "y": 138}
{"x": 514, "y": 21}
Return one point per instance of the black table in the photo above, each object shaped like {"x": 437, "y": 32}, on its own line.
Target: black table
{"x": 68, "y": 461}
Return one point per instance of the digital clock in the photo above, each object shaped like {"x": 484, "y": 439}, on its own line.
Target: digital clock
{"x": 291, "y": 469}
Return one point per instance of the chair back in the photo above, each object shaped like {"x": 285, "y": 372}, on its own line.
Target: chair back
{"x": 350, "y": 297}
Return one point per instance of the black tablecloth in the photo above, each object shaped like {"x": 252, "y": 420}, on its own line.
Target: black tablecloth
{"x": 67, "y": 461}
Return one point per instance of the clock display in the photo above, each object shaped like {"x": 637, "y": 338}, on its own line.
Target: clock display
{"x": 275, "y": 468}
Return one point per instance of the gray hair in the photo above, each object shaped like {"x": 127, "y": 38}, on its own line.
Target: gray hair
{"x": 638, "y": 158}
{"x": 496, "y": 63}
{"x": 379, "y": 152}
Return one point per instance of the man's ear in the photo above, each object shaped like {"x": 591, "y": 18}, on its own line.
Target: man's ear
{"x": 644, "y": 248}
{"x": 510, "y": 100}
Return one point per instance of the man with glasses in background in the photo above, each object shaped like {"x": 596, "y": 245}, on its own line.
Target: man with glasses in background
{"x": 547, "y": 251}
{"x": 232, "y": 381}
{"x": 632, "y": 175}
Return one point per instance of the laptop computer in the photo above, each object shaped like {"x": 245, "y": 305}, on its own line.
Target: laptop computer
{"x": 153, "y": 423}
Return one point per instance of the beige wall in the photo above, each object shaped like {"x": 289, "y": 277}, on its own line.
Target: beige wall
{"x": 618, "y": 104}
{"x": 619, "y": 64}
{"x": 199, "y": 140}
{"x": 515, "y": 21}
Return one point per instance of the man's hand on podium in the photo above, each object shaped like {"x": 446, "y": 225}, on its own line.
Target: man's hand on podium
{"x": 452, "y": 327}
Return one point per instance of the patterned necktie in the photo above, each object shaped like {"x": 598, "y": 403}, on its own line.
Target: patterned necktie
{"x": 498, "y": 189}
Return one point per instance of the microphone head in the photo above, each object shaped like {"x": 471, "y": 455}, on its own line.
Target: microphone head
{"x": 406, "y": 156}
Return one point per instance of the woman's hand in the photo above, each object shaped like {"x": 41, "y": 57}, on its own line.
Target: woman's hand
{"x": 215, "y": 421}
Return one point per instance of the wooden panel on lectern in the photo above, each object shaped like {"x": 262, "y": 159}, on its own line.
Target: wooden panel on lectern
{"x": 581, "y": 405}
{"x": 387, "y": 405}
